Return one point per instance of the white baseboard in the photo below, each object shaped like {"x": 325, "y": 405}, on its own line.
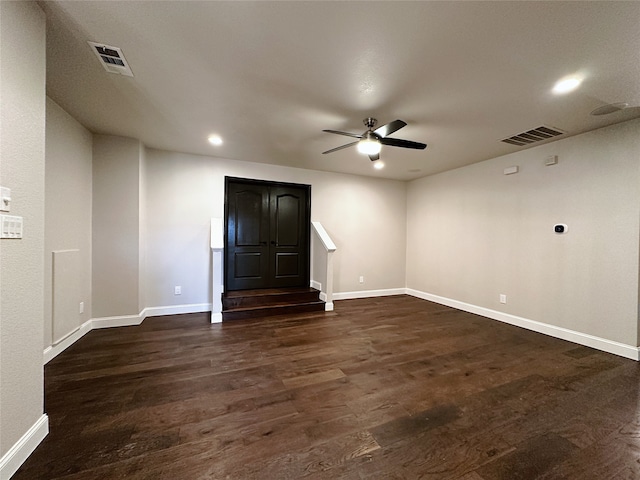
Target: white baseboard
{"x": 56, "y": 349}
{"x": 368, "y": 293}
{"x": 617, "y": 348}
{"x": 119, "y": 321}
{"x": 610, "y": 346}
{"x": 175, "y": 310}
{"x": 316, "y": 285}
{"x": 18, "y": 453}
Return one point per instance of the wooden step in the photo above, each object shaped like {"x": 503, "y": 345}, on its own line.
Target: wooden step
{"x": 244, "y": 304}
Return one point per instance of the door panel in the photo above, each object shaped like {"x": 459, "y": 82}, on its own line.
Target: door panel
{"x": 287, "y": 265}
{"x": 247, "y": 236}
{"x": 249, "y": 209}
{"x": 287, "y": 219}
{"x": 267, "y": 241}
{"x": 289, "y": 236}
{"x": 248, "y": 265}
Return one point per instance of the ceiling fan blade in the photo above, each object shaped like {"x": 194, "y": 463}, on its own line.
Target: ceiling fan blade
{"x": 340, "y": 148}
{"x": 389, "y": 128}
{"x": 338, "y": 132}
{"x": 396, "y": 142}
{"x": 375, "y": 157}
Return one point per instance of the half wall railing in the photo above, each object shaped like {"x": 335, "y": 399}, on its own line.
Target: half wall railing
{"x": 322, "y": 249}
{"x": 217, "y": 250}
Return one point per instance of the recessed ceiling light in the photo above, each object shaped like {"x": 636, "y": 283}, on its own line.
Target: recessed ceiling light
{"x": 378, "y": 164}
{"x": 215, "y": 140}
{"x": 567, "y": 84}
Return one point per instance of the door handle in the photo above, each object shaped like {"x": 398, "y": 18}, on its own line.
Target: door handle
{"x": 273, "y": 242}
{"x": 263, "y": 243}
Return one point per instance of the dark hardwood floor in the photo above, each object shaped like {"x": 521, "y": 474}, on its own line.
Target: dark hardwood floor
{"x": 382, "y": 388}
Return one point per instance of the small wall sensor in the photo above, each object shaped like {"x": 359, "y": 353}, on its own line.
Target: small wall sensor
{"x": 5, "y": 199}
{"x": 560, "y": 228}
{"x": 551, "y": 160}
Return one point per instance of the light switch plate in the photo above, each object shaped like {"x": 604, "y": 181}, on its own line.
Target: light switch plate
{"x": 5, "y": 199}
{"x": 10, "y": 226}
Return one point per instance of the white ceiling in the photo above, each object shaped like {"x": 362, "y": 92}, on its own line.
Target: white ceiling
{"x": 270, "y": 76}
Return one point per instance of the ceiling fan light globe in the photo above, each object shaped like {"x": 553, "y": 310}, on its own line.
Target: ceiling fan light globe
{"x": 369, "y": 147}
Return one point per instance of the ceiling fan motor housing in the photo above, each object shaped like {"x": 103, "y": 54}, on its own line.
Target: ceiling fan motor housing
{"x": 370, "y": 122}
{"x": 370, "y": 136}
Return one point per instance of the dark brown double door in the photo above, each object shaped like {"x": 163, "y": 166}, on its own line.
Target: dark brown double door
{"x": 267, "y": 234}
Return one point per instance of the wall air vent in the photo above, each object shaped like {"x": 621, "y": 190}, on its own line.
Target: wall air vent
{"x": 532, "y": 136}
{"x": 111, "y": 58}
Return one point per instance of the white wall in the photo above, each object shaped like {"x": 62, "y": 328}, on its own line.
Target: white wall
{"x": 364, "y": 216}
{"x": 67, "y": 208}
{"x": 474, "y": 233}
{"x": 116, "y": 226}
{"x": 22, "y": 154}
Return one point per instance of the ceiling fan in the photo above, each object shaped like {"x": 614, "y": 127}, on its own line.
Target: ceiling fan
{"x": 371, "y": 141}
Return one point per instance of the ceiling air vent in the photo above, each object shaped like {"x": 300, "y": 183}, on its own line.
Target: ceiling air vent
{"x": 532, "y": 136}
{"x": 111, "y": 58}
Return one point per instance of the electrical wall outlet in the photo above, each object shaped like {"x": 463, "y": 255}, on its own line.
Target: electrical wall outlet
{"x": 503, "y": 298}
{"x": 361, "y": 278}
{"x": 81, "y": 308}
{"x": 177, "y": 290}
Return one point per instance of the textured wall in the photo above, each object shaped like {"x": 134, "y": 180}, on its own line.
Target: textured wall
{"x": 115, "y": 229}
{"x": 67, "y": 206}
{"x": 474, "y": 233}
{"x": 364, "y": 216}
{"x": 22, "y": 140}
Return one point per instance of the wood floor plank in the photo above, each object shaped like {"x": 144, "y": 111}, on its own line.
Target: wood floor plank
{"x": 529, "y": 460}
{"x": 312, "y": 378}
{"x": 383, "y": 388}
